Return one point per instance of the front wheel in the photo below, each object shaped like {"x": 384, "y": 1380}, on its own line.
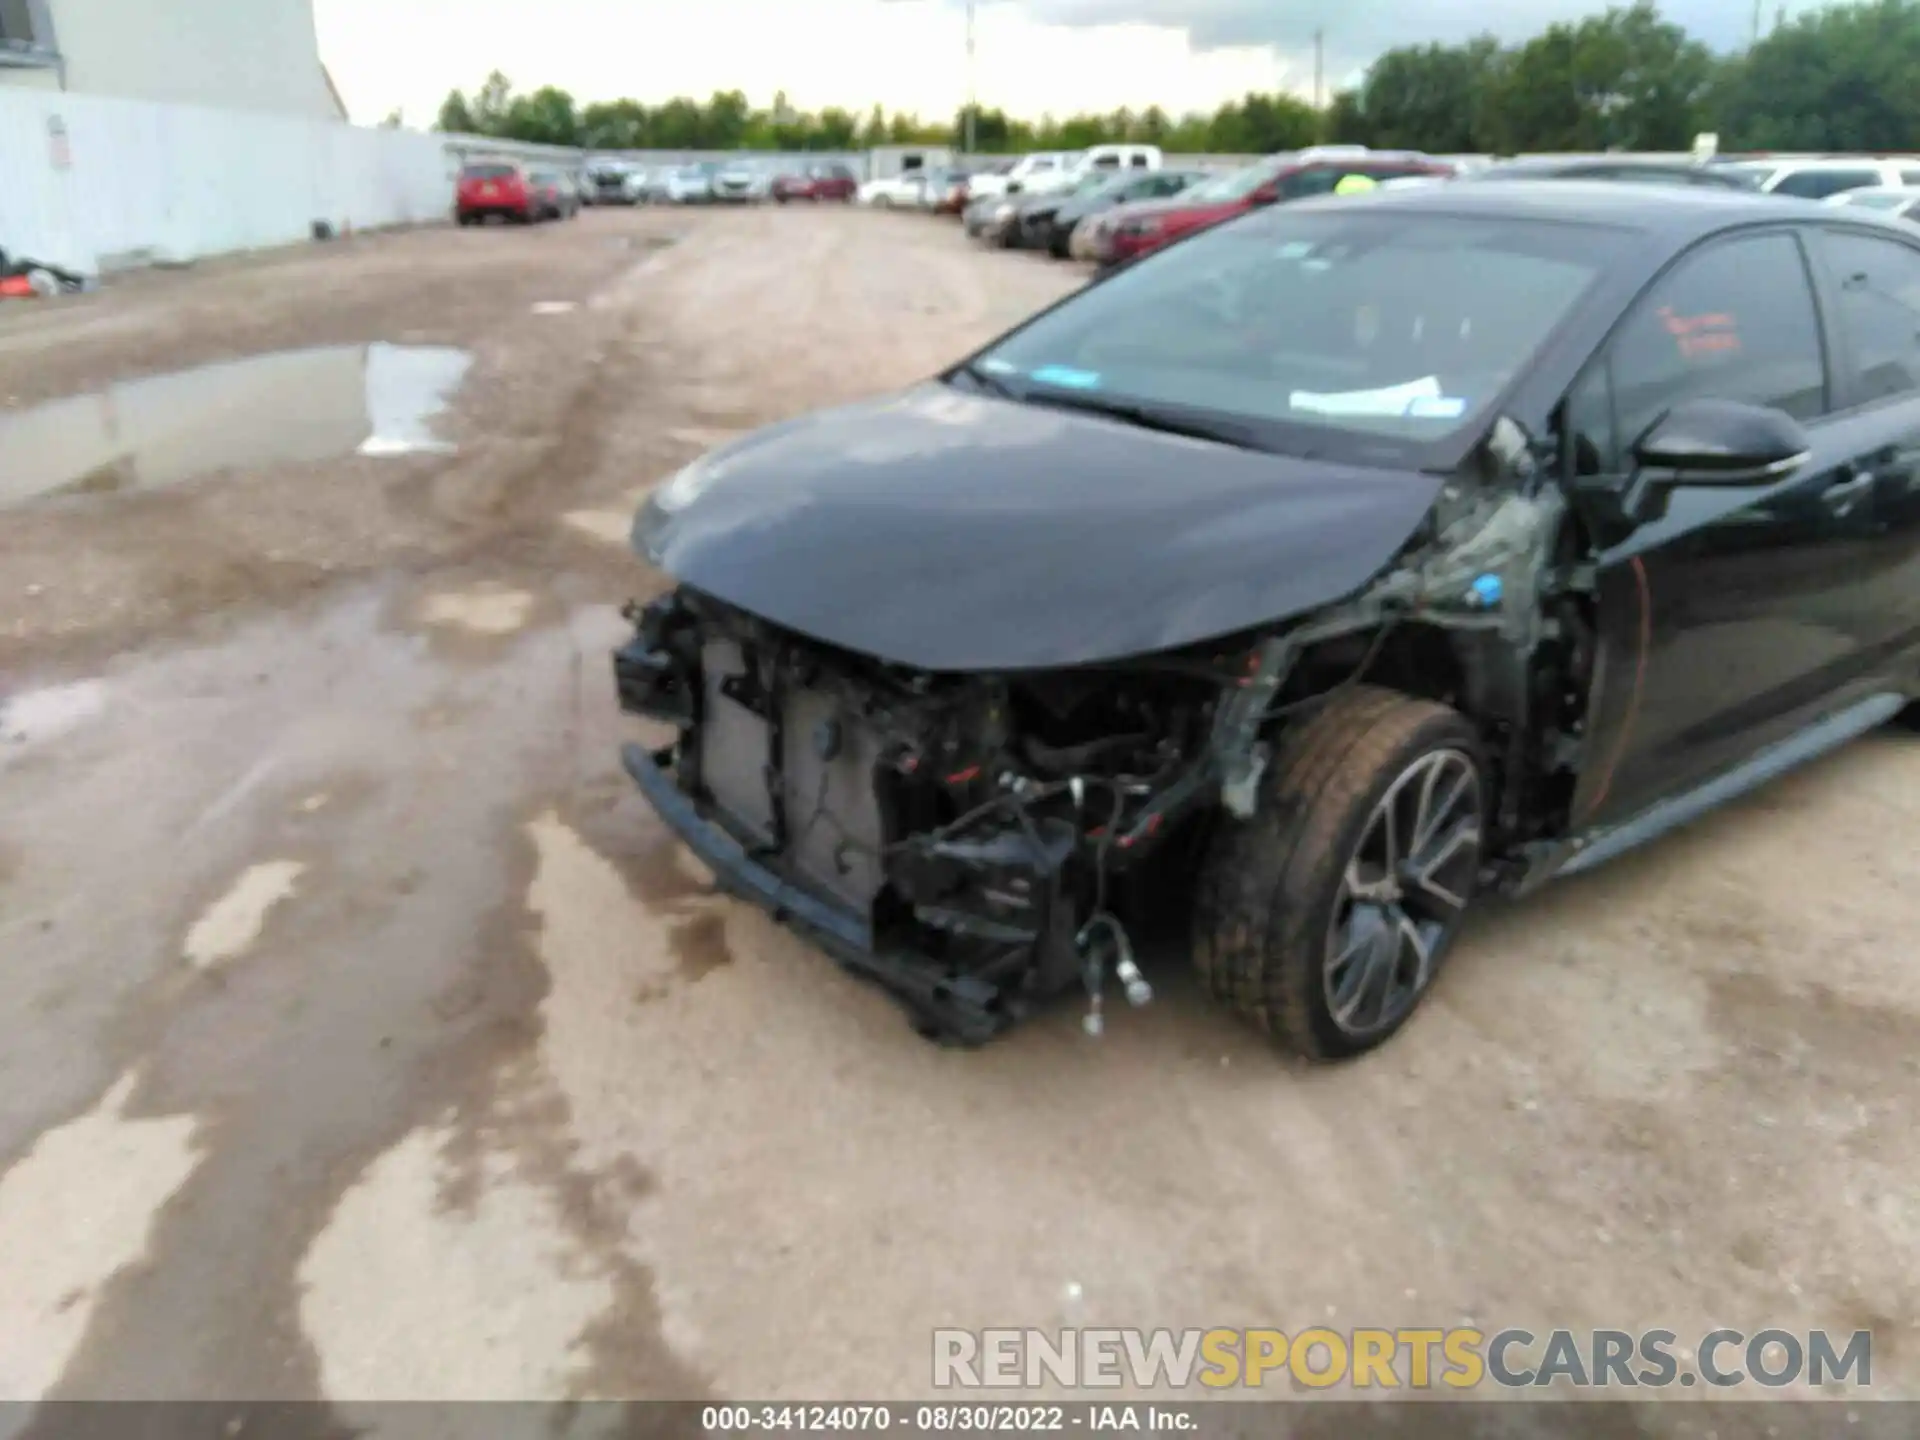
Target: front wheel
{"x": 1324, "y": 919}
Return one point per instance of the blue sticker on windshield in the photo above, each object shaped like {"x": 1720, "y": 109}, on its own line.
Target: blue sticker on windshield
{"x": 1436, "y": 407}
{"x": 1067, "y": 377}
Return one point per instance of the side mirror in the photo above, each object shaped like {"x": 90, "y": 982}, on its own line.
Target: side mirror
{"x": 1722, "y": 442}
{"x": 1013, "y": 187}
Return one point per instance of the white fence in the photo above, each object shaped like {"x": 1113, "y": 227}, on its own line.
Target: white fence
{"x": 92, "y": 182}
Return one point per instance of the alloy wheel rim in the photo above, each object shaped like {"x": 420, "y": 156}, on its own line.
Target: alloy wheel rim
{"x": 1403, "y": 892}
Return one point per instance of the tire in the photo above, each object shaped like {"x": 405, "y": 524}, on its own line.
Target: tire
{"x": 883, "y": 202}
{"x": 1279, "y": 935}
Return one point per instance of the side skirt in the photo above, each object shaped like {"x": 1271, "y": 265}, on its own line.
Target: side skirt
{"x": 1820, "y": 738}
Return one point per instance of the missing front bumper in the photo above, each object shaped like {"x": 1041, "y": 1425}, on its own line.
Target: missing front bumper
{"x": 954, "y": 1009}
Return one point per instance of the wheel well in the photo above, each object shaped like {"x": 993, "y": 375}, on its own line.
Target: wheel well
{"x": 1424, "y": 661}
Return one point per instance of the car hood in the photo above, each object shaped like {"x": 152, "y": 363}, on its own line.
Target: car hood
{"x": 948, "y": 531}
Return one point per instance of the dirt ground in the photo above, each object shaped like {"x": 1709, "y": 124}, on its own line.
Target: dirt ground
{"x": 367, "y": 1038}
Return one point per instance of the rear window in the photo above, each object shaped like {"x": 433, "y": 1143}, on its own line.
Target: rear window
{"x": 488, "y": 172}
{"x": 1395, "y": 328}
{"x": 1818, "y": 184}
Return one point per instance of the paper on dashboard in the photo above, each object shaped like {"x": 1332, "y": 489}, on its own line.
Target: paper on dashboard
{"x": 1393, "y": 400}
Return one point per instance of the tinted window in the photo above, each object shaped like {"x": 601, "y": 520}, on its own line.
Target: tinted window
{"x": 1910, "y": 177}
{"x": 1589, "y": 423}
{"x": 1818, "y": 184}
{"x": 1107, "y": 162}
{"x": 1138, "y": 162}
{"x": 1879, "y": 282}
{"x": 1394, "y": 328}
{"x": 1734, "y": 321}
{"x": 1315, "y": 180}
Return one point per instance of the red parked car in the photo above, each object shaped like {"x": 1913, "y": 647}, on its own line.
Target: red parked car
{"x": 822, "y": 182}
{"x": 494, "y": 187}
{"x": 1130, "y": 230}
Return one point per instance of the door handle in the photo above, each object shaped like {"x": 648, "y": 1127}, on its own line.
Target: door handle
{"x": 1849, "y": 485}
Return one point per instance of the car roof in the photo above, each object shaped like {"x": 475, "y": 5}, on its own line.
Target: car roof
{"x": 1548, "y": 164}
{"x": 1675, "y": 214}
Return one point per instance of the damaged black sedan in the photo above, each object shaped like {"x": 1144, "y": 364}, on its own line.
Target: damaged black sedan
{"x": 1313, "y": 575}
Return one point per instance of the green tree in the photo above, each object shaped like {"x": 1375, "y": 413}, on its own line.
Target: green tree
{"x": 1420, "y": 97}
{"x": 1346, "y": 121}
{"x": 546, "y": 117}
{"x": 615, "y": 125}
{"x": 1846, "y": 78}
{"x": 1261, "y": 125}
{"x": 455, "y": 116}
{"x": 1624, "y": 79}
{"x": 728, "y": 114}
{"x": 490, "y": 104}
{"x": 836, "y": 129}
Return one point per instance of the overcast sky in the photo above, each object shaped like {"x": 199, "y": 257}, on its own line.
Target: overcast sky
{"x": 1034, "y": 56}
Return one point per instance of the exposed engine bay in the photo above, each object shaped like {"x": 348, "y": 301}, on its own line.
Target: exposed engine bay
{"x": 970, "y": 840}
{"x": 976, "y": 826}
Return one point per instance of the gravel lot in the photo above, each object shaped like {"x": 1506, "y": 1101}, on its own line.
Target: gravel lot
{"x": 367, "y": 1038}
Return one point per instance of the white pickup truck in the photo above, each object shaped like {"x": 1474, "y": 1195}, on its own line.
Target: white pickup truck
{"x": 1046, "y": 171}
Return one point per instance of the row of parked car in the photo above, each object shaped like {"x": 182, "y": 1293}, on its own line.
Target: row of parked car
{"x": 1116, "y": 202}
{"x": 742, "y": 181}
{"x": 1113, "y": 202}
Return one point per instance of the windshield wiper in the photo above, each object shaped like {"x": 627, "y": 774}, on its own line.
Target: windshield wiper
{"x": 1150, "y": 417}
{"x": 989, "y": 382}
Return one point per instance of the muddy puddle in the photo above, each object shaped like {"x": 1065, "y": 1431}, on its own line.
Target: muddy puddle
{"x": 294, "y": 407}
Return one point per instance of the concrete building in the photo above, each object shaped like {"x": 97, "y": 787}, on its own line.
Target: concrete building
{"x": 231, "y": 54}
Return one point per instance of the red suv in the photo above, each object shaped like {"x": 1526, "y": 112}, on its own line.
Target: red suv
{"x": 1131, "y": 230}
{"x": 494, "y": 188}
{"x": 822, "y": 182}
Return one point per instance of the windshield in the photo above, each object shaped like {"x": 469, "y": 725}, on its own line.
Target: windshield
{"x": 1235, "y": 185}
{"x": 1397, "y": 326}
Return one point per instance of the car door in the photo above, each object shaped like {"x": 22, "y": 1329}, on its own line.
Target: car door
{"x": 1873, "y": 279}
{"x": 1732, "y": 618}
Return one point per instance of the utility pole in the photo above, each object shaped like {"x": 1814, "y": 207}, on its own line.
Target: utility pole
{"x": 972, "y": 96}
{"x": 1756, "y": 21}
{"x": 1319, "y": 64}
